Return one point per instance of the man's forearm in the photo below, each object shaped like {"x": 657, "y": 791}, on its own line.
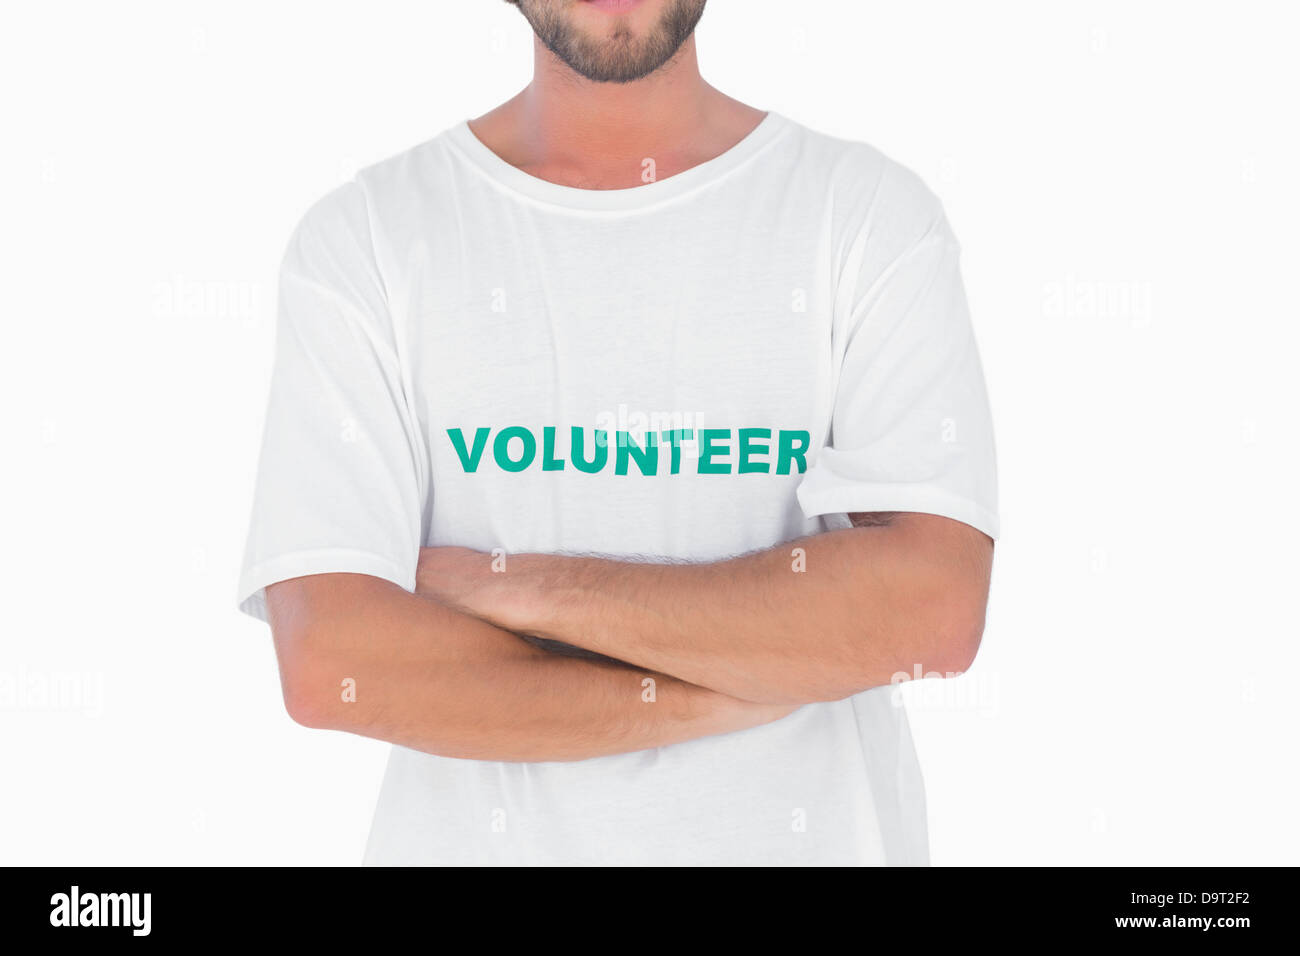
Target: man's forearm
{"x": 363, "y": 655}
{"x": 816, "y": 619}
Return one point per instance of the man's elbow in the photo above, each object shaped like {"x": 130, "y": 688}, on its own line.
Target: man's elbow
{"x": 304, "y": 688}
{"x": 947, "y": 615}
{"x": 944, "y": 643}
{"x": 958, "y": 638}
{"x": 310, "y": 677}
{"x": 309, "y": 638}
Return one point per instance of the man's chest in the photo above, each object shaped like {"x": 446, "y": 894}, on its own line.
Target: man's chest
{"x": 615, "y": 388}
{"x": 587, "y": 333}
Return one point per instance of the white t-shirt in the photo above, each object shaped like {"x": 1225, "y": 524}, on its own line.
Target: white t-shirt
{"x": 698, "y": 367}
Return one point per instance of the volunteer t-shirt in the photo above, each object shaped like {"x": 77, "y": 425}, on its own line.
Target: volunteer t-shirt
{"x": 718, "y": 362}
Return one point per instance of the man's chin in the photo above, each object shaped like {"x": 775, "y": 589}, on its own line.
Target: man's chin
{"x": 615, "y": 41}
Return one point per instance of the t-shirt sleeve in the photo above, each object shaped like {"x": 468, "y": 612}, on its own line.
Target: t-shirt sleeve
{"x": 910, "y": 427}
{"x": 338, "y": 483}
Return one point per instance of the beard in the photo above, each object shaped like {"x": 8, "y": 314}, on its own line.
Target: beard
{"x": 620, "y": 56}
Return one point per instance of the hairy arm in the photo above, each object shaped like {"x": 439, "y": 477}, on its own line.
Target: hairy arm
{"x": 432, "y": 679}
{"x": 820, "y": 618}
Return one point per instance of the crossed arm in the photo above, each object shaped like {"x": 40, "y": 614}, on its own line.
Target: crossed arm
{"x": 697, "y": 649}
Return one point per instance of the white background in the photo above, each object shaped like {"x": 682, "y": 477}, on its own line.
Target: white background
{"x": 1123, "y": 176}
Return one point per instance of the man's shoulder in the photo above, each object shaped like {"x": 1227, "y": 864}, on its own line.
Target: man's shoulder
{"x": 399, "y": 169}
{"x": 865, "y": 183}
{"x": 360, "y": 205}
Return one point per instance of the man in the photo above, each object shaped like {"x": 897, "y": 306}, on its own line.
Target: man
{"x": 624, "y": 445}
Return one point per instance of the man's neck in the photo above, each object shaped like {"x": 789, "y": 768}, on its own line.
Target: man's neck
{"x": 570, "y": 130}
